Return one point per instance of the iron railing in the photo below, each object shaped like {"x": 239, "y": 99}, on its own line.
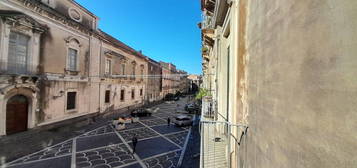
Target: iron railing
{"x": 221, "y": 143}
{"x": 10, "y": 68}
{"x": 208, "y": 109}
{"x": 207, "y": 22}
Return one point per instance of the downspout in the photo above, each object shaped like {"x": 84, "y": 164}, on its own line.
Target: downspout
{"x": 99, "y": 76}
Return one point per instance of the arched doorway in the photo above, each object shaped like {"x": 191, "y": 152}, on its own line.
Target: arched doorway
{"x": 16, "y": 114}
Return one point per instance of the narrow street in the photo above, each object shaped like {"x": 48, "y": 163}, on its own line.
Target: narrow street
{"x": 159, "y": 145}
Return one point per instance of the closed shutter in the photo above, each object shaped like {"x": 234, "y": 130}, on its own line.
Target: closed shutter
{"x": 72, "y": 59}
{"x": 18, "y": 49}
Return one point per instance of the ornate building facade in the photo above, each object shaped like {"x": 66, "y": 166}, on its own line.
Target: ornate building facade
{"x": 57, "y": 66}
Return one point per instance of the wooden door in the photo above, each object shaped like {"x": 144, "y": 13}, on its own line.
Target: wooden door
{"x": 16, "y": 114}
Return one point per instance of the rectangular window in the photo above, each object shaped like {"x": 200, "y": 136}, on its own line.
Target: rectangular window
{"x": 107, "y": 96}
{"x": 122, "y": 95}
{"x": 142, "y": 74}
{"x": 122, "y": 69}
{"x": 108, "y": 67}
{"x": 18, "y": 53}
{"x": 133, "y": 94}
{"x": 71, "y": 100}
{"x": 141, "y": 92}
{"x": 72, "y": 59}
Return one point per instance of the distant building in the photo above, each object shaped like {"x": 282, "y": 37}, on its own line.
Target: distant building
{"x": 154, "y": 84}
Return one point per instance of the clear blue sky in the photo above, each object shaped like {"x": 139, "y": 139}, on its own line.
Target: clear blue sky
{"x": 163, "y": 29}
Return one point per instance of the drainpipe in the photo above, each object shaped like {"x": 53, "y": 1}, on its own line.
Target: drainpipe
{"x": 99, "y": 76}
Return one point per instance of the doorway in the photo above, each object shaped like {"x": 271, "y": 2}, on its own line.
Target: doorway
{"x": 16, "y": 114}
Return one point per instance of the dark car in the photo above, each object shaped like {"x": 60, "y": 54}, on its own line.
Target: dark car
{"x": 169, "y": 97}
{"x": 192, "y": 107}
{"x": 140, "y": 113}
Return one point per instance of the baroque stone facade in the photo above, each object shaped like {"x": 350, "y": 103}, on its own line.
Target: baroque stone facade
{"x": 56, "y": 65}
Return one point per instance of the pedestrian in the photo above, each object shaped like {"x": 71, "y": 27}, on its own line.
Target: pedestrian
{"x": 134, "y": 140}
{"x": 168, "y": 121}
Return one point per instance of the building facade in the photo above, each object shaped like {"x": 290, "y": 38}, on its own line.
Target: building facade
{"x": 279, "y": 82}
{"x": 57, "y": 66}
{"x": 154, "y": 84}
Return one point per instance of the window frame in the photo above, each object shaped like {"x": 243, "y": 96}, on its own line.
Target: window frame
{"x": 132, "y": 94}
{"x": 28, "y": 50}
{"x": 107, "y": 96}
{"x": 75, "y": 99}
{"x": 74, "y": 44}
{"x": 108, "y": 70}
{"x": 122, "y": 95}
{"x": 69, "y": 60}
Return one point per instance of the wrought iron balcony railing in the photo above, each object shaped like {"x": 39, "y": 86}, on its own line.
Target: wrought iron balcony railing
{"x": 222, "y": 144}
{"x": 208, "y": 107}
{"x": 207, "y": 23}
{"x": 10, "y": 68}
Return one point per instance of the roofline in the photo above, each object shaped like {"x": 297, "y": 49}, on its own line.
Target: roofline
{"x": 85, "y": 9}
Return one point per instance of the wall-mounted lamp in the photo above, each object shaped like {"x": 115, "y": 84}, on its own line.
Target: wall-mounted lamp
{"x": 61, "y": 93}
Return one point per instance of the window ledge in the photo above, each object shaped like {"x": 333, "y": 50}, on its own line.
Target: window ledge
{"x": 72, "y": 111}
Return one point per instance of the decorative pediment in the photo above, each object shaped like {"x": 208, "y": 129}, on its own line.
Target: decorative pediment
{"x": 72, "y": 39}
{"x": 112, "y": 53}
{"x": 20, "y": 20}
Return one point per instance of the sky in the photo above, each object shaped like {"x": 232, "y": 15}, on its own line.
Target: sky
{"x": 165, "y": 30}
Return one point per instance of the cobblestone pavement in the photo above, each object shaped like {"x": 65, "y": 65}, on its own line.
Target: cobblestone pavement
{"x": 159, "y": 145}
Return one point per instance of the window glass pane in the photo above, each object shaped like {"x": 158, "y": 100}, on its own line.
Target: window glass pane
{"x": 71, "y": 100}
{"x": 107, "y": 96}
{"x": 122, "y": 95}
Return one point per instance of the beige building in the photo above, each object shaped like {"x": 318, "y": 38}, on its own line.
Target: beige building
{"x": 57, "y": 67}
{"x": 154, "y": 84}
{"x": 281, "y": 82}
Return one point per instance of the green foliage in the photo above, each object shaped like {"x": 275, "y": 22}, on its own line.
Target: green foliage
{"x": 202, "y": 93}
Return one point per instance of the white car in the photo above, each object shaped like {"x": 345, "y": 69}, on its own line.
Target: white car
{"x": 183, "y": 120}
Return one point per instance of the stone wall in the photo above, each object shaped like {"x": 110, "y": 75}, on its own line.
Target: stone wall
{"x": 302, "y": 85}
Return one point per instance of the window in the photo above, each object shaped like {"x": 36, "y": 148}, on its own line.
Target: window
{"x": 18, "y": 53}
{"x": 142, "y": 74}
{"x": 108, "y": 67}
{"x": 133, "y": 71}
{"x": 133, "y": 94}
{"x": 72, "y": 59}
{"x": 107, "y": 96}
{"x": 122, "y": 95}
{"x": 141, "y": 92}
{"x": 122, "y": 69}
{"x": 71, "y": 100}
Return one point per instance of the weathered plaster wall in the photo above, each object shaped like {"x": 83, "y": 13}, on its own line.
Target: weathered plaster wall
{"x": 54, "y": 51}
{"x": 302, "y": 85}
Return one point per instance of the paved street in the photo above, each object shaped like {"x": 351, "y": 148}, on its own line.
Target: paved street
{"x": 159, "y": 145}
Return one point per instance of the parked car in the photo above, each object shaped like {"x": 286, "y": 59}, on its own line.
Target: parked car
{"x": 192, "y": 107}
{"x": 176, "y": 98}
{"x": 169, "y": 97}
{"x": 183, "y": 120}
{"x": 140, "y": 113}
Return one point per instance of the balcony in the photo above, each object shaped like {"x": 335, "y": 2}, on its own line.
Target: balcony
{"x": 207, "y": 26}
{"x": 9, "y": 68}
{"x": 208, "y": 107}
{"x": 221, "y": 144}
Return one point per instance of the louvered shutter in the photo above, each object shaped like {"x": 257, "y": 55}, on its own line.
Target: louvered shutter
{"x": 18, "y": 49}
